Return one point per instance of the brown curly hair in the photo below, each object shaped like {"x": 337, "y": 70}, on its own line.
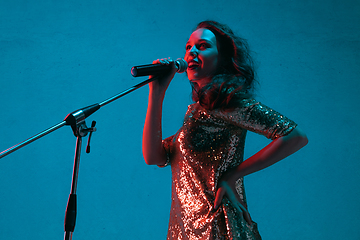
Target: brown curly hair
{"x": 235, "y": 77}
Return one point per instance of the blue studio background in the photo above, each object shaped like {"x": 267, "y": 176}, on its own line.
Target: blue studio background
{"x": 58, "y": 56}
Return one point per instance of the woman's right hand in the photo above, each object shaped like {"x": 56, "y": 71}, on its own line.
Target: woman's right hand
{"x": 153, "y": 149}
{"x": 162, "y": 83}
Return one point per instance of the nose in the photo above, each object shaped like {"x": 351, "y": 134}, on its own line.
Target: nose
{"x": 194, "y": 51}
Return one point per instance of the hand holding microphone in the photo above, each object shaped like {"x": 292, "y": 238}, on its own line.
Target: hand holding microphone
{"x": 159, "y": 67}
{"x": 161, "y": 72}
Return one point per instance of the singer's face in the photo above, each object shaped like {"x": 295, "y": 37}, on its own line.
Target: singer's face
{"x": 201, "y": 56}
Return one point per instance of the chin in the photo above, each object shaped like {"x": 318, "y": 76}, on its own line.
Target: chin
{"x": 192, "y": 78}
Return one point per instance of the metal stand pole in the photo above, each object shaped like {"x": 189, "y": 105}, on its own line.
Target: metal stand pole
{"x": 80, "y": 130}
{"x": 70, "y": 214}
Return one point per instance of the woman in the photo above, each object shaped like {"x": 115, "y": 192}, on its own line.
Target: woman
{"x": 206, "y": 154}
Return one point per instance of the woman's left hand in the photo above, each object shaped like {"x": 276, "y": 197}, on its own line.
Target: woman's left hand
{"x": 227, "y": 187}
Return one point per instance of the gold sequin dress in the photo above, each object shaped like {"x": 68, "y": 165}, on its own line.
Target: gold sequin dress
{"x": 207, "y": 145}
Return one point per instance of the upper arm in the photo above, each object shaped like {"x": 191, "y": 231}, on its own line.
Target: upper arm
{"x": 257, "y": 117}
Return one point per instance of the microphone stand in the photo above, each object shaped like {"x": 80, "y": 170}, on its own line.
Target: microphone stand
{"x": 76, "y": 120}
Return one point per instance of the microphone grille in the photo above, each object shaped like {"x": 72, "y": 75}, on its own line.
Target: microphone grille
{"x": 181, "y": 65}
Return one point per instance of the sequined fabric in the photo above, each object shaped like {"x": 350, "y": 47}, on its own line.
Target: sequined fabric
{"x": 206, "y": 146}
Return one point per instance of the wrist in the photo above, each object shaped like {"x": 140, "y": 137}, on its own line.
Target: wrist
{"x": 235, "y": 174}
{"x": 156, "y": 95}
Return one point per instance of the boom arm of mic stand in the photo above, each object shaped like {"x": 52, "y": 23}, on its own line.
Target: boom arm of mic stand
{"x": 74, "y": 117}
{"x": 32, "y": 139}
{"x": 127, "y": 91}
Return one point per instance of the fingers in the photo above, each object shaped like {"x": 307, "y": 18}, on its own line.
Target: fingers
{"x": 235, "y": 199}
{"x": 247, "y": 217}
{"x": 166, "y": 61}
{"x": 218, "y": 197}
{"x": 241, "y": 208}
{"x": 160, "y": 85}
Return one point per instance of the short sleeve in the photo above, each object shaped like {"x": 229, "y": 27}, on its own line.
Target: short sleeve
{"x": 257, "y": 117}
{"x": 167, "y": 143}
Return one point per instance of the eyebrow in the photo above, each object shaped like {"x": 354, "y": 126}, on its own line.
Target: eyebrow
{"x": 201, "y": 40}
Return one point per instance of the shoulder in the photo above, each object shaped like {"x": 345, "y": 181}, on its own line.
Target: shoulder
{"x": 193, "y": 108}
{"x": 242, "y": 106}
{"x": 247, "y": 102}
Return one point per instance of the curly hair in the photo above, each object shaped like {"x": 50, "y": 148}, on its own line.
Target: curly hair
{"x": 235, "y": 77}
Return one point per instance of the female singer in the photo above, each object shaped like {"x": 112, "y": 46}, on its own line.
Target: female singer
{"x": 206, "y": 154}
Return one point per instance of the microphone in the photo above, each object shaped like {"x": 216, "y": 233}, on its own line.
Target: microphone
{"x": 158, "y": 69}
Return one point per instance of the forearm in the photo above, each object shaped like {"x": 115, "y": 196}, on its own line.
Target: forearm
{"x": 153, "y": 151}
{"x": 277, "y": 150}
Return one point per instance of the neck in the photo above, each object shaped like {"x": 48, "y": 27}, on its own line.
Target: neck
{"x": 200, "y": 83}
